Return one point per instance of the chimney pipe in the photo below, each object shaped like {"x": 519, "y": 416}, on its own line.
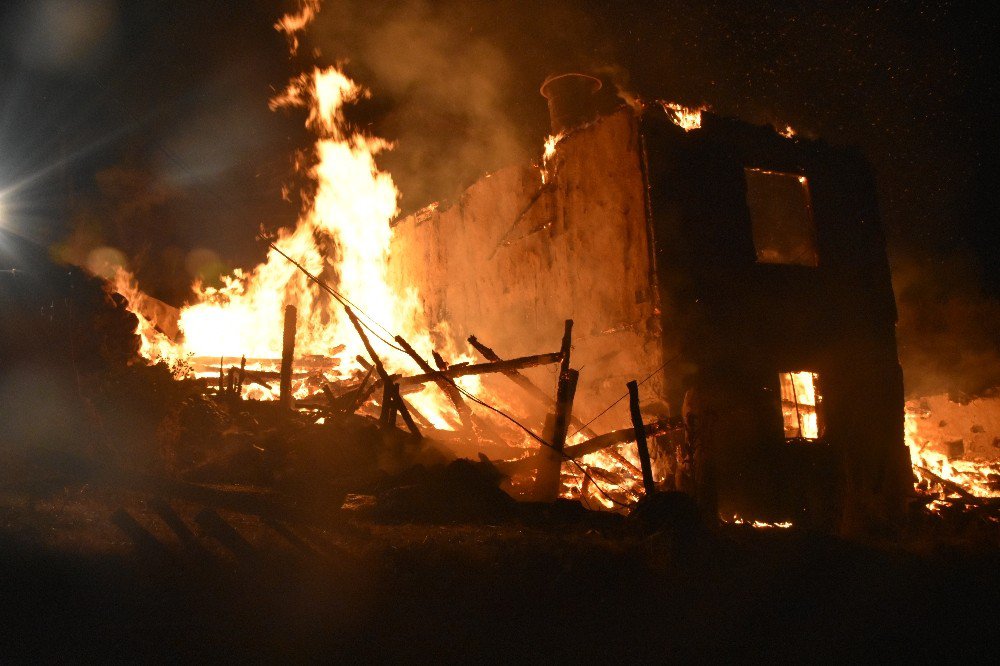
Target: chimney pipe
{"x": 571, "y": 100}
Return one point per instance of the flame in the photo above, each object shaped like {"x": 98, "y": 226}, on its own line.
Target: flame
{"x": 758, "y": 524}
{"x": 788, "y": 132}
{"x": 343, "y": 236}
{"x": 294, "y": 23}
{"x": 799, "y": 403}
{"x": 684, "y": 117}
{"x": 155, "y": 345}
{"x": 973, "y": 476}
{"x": 548, "y": 154}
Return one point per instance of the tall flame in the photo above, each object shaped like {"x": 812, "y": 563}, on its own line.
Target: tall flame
{"x": 343, "y": 236}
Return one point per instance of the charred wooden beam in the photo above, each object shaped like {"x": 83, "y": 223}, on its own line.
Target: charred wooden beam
{"x": 205, "y": 364}
{"x": 241, "y": 377}
{"x": 640, "y": 438}
{"x": 415, "y": 413}
{"x": 529, "y": 387}
{"x": 550, "y": 459}
{"x": 613, "y": 438}
{"x": 379, "y": 368}
{"x": 330, "y": 398}
{"x": 364, "y": 390}
{"x": 623, "y": 436}
{"x": 444, "y": 383}
{"x": 400, "y": 406}
{"x": 948, "y": 485}
{"x": 564, "y": 407}
{"x": 387, "y": 414}
{"x": 482, "y": 368}
{"x": 567, "y": 344}
{"x": 287, "y": 358}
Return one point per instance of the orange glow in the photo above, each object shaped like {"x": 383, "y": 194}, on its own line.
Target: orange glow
{"x": 343, "y": 236}
{"x": 927, "y": 453}
{"x": 758, "y": 524}
{"x": 550, "y": 152}
{"x": 799, "y": 403}
{"x": 684, "y": 117}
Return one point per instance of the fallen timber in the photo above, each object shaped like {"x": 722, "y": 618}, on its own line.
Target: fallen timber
{"x": 599, "y": 443}
{"x": 209, "y": 364}
{"x": 482, "y": 368}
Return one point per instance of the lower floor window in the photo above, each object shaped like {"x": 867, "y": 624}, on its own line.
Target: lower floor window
{"x": 800, "y": 402}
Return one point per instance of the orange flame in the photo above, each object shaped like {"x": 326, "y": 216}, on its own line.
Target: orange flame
{"x": 973, "y": 476}
{"x": 684, "y": 117}
{"x": 343, "y": 236}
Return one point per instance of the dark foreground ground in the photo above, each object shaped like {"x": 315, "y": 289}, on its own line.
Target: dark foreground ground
{"x": 94, "y": 569}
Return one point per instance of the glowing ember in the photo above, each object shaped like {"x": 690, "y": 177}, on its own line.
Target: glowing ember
{"x": 758, "y": 524}
{"x": 930, "y": 458}
{"x": 684, "y": 117}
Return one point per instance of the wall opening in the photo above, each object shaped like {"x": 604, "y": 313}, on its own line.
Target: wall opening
{"x": 781, "y": 215}
{"x": 801, "y": 404}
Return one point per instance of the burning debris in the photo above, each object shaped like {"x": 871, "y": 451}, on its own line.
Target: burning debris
{"x": 955, "y": 450}
{"x": 714, "y": 261}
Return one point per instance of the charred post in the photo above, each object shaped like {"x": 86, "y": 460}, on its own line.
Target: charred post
{"x": 464, "y": 413}
{"x": 287, "y": 358}
{"x": 640, "y": 438}
{"x": 529, "y": 387}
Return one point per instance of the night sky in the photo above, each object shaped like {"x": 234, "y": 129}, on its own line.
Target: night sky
{"x": 143, "y": 125}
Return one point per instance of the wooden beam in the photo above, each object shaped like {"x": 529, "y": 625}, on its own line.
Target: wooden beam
{"x": 379, "y": 368}
{"x": 445, "y": 384}
{"x": 287, "y": 358}
{"x": 529, "y": 387}
{"x": 400, "y": 407}
{"x": 613, "y": 438}
{"x": 567, "y": 345}
{"x": 640, "y": 438}
{"x": 550, "y": 459}
{"x": 241, "y": 377}
{"x": 482, "y": 368}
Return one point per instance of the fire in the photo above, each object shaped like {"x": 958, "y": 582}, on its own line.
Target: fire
{"x": 549, "y": 153}
{"x": 758, "y": 524}
{"x": 799, "y": 404}
{"x": 155, "y": 344}
{"x": 684, "y": 117}
{"x": 977, "y": 477}
{"x": 343, "y": 236}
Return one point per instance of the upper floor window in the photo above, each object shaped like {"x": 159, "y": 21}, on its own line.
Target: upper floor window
{"x": 781, "y": 214}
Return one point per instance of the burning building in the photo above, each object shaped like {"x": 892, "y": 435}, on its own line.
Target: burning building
{"x": 740, "y": 271}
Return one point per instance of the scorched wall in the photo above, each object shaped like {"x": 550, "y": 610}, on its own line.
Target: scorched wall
{"x": 514, "y": 257}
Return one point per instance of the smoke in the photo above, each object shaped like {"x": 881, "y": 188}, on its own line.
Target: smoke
{"x": 947, "y": 329}
{"x": 455, "y": 83}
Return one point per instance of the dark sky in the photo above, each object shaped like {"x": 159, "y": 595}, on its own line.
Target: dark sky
{"x": 144, "y": 124}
